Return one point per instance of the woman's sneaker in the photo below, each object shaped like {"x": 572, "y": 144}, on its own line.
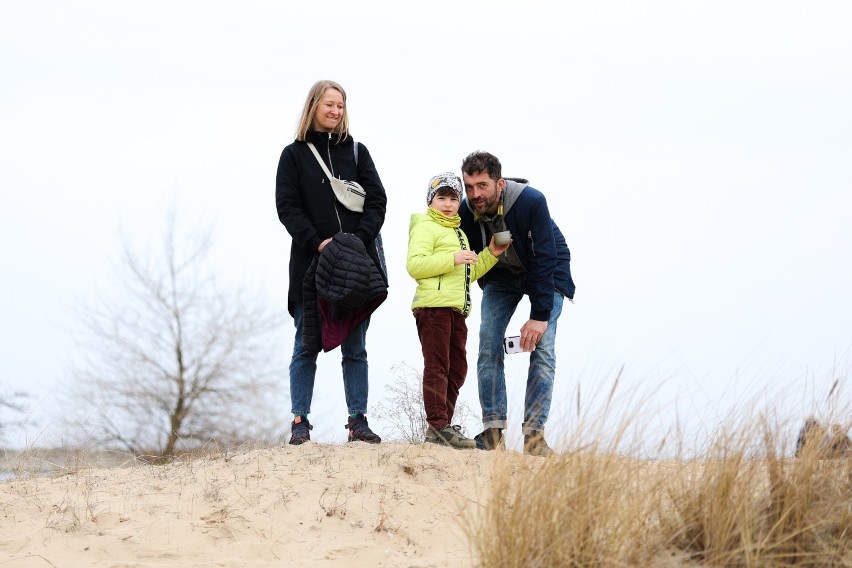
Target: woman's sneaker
{"x": 300, "y": 430}
{"x": 449, "y": 436}
{"x": 359, "y": 430}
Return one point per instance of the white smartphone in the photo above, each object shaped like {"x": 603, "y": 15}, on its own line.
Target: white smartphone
{"x": 512, "y": 344}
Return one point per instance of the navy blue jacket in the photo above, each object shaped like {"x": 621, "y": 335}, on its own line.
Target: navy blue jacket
{"x": 539, "y": 244}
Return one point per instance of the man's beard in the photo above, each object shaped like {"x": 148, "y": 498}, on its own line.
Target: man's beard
{"x": 488, "y": 206}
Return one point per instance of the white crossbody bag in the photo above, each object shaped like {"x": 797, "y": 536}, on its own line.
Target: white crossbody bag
{"x": 349, "y": 193}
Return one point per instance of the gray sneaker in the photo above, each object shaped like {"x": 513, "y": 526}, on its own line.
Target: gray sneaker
{"x": 449, "y": 435}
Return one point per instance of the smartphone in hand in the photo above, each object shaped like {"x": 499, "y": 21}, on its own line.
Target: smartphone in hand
{"x": 512, "y": 344}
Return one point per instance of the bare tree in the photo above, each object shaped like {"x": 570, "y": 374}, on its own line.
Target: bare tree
{"x": 11, "y": 403}
{"x": 172, "y": 360}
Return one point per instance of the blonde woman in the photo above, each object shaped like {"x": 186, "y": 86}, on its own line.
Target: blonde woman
{"x": 312, "y": 215}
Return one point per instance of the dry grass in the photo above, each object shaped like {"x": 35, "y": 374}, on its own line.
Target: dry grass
{"x": 578, "y": 510}
{"x": 744, "y": 502}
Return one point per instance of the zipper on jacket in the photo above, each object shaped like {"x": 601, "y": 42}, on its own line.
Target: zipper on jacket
{"x": 331, "y": 169}
{"x": 532, "y": 242}
{"x": 440, "y": 279}
{"x": 336, "y": 214}
{"x": 463, "y": 246}
{"x": 328, "y": 151}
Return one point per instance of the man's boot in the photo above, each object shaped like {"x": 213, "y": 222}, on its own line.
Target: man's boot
{"x": 536, "y": 445}
{"x": 490, "y": 439}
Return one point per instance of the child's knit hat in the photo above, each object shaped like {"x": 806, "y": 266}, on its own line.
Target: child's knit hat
{"x": 446, "y": 179}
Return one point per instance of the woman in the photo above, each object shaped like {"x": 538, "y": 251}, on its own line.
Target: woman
{"x": 312, "y": 215}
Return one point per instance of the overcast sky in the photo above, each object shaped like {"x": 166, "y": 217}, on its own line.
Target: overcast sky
{"x": 697, "y": 156}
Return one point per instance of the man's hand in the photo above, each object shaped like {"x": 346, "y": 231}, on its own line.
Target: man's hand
{"x": 496, "y": 249}
{"x": 322, "y": 245}
{"x": 531, "y": 333}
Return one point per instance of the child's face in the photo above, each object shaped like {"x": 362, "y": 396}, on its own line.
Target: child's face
{"x": 447, "y": 205}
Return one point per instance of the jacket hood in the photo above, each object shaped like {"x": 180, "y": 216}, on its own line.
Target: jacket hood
{"x": 416, "y": 219}
{"x": 513, "y": 189}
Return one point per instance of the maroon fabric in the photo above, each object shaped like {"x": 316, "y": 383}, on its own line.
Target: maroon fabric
{"x": 335, "y": 331}
{"x": 443, "y": 336}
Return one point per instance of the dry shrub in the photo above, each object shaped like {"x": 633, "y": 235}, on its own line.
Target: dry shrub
{"x": 579, "y": 509}
{"x": 743, "y": 500}
{"x": 402, "y": 408}
{"x": 742, "y": 505}
{"x": 711, "y": 507}
{"x": 807, "y": 517}
{"x": 588, "y": 506}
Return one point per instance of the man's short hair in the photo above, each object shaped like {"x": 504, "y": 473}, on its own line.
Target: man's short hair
{"x": 478, "y": 162}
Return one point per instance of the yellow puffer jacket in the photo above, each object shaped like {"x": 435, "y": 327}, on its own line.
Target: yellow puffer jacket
{"x": 433, "y": 241}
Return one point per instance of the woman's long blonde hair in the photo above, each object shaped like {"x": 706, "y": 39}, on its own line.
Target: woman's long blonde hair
{"x": 311, "y": 104}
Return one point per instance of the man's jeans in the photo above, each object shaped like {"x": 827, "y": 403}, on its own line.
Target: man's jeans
{"x": 500, "y": 298}
{"x": 303, "y": 369}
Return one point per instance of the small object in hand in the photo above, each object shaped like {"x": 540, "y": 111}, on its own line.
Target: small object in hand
{"x": 503, "y": 237}
{"x": 513, "y": 344}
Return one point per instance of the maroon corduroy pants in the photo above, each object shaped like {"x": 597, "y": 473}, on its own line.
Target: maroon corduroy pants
{"x": 443, "y": 335}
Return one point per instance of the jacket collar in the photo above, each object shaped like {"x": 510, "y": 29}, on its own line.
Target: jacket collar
{"x": 323, "y": 138}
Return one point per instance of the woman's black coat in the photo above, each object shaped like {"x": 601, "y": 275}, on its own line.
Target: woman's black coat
{"x": 307, "y": 206}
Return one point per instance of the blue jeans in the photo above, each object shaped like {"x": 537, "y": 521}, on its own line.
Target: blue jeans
{"x": 303, "y": 369}
{"x": 500, "y": 298}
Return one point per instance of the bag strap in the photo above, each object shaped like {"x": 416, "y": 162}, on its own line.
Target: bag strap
{"x": 319, "y": 159}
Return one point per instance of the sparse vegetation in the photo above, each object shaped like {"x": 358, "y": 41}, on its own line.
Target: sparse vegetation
{"x": 746, "y": 501}
{"x": 402, "y": 407}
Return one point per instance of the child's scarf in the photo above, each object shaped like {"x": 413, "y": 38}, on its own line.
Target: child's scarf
{"x": 443, "y": 220}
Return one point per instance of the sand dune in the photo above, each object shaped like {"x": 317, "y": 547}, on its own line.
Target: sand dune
{"x": 313, "y": 505}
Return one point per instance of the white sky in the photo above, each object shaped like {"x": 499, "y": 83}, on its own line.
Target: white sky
{"x": 697, "y": 156}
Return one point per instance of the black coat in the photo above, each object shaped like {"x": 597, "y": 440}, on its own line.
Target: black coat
{"x": 307, "y": 206}
{"x": 342, "y": 287}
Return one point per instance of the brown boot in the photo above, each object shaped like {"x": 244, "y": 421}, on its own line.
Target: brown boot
{"x": 536, "y": 445}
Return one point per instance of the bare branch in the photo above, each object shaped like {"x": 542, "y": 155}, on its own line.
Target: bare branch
{"x": 171, "y": 359}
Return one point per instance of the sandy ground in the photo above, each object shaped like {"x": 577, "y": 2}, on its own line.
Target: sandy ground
{"x": 392, "y": 504}
{"x": 312, "y": 505}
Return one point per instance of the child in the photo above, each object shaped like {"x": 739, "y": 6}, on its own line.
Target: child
{"x": 440, "y": 259}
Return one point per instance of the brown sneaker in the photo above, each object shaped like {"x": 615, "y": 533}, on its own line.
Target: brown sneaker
{"x": 490, "y": 439}
{"x": 536, "y": 445}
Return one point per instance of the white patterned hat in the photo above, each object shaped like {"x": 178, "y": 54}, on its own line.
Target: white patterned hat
{"x": 446, "y": 179}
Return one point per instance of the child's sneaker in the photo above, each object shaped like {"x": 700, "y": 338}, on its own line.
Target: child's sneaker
{"x": 300, "y": 430}
{"x": 359, "y": 430}
{"x": 449, "y": 436}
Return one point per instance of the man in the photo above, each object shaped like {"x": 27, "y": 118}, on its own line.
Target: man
{"x": 537, "y": 264}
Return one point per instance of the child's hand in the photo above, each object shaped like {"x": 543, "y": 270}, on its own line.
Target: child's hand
{"x": 465, "y": 257}
{"x": 496, "y": 249}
